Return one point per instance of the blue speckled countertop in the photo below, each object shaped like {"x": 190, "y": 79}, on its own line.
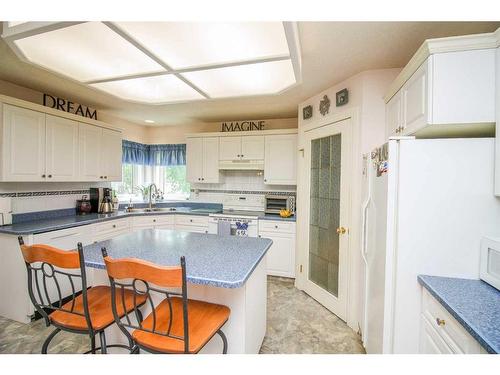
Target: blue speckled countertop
{"x": 221, "y": 261}
{"x": 473, "y": 303}
{"x": 43, "y": 225}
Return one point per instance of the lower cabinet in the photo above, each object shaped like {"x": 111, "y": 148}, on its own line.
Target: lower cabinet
{"x": 280, "y": 258}
{"x": 441, "y": 333}
{"x": 109, "y": 229}
{"x": 191, "y": 223}
{"x": 153, "y": 222}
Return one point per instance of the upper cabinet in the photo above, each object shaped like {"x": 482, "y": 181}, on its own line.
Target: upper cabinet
{"x": 249, "y": 147}
{"x": 202, "y": 160}
{"x": 23, "y": 144}
{"x": 38, "y": 146}
{"x": 444, "y": 94}
{"x": 280, "y": 162}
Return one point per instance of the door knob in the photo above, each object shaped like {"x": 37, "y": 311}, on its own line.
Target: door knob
{"x": 341, "y": 230}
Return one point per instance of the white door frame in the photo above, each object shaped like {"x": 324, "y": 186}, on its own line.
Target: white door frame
{"x": 354, "y": 271}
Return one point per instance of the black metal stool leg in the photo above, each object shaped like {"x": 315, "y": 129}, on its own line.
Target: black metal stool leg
{"x": 92, "y": 344}
{"x": 48, "y": 339}
{"x": 224, "y": 341}
{"x": 102, "y": 336}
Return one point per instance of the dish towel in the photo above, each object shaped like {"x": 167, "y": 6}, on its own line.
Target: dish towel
{"x": 223, "y": 228}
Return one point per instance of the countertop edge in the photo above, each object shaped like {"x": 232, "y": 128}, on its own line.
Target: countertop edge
{"x": 211, "y": 282}
{"x": 467, "y": 325}
{"x": 123, "y": 215}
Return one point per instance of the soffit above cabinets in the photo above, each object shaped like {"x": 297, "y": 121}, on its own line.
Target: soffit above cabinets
{"x": 165, "y": 62}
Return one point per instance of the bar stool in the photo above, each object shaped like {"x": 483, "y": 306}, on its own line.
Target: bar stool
{"x": 177, "y": 324}
{"x": 88, "y": 311}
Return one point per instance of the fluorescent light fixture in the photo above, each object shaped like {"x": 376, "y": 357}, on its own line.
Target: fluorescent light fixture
{"x": 153, "y": 90}
{"x": 149, "y": 121}
{"x": 188, "y": 44}
{"x": 253, "y": 79}
{"x": 85, "y": 52}
{"x": 163, "y": 62}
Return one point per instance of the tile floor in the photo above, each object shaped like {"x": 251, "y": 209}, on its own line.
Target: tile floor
{"x": 296, "y": 324}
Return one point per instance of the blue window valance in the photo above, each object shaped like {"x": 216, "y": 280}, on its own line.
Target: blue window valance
{"x": 165, "y": 155}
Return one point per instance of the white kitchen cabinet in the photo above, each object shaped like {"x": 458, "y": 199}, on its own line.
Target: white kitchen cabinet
{"x": 497, "y": 138}
{"x": 394, "y": 115}
{"x": 191, "y": 223}
{"x": 109, "y": 229}
{"x": 62, "y": 157}
{"x": 23, "y": 144}
{"x": 111, "y": 155}
{"x": 280, "y": 162}
{"x": 202, "y": 160}
{"x": 153, "y": 222}
{"x": 280, "y": 258}
{"x": 440, "y": 332}
{"x": 229, "y": 148}
{"x": 250, "y": 147}
{"x": 448, "y": 94}
{"x": 90, "y": 152}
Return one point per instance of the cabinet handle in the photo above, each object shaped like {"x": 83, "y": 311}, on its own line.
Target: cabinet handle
{"x": 114, "y": 225}
{"x": 202, "y": 179}
{"x": 154, "y": 220}
{"x": 106, "y": 177}
{"x": 242, "y": 155}
{"x": 43, "y": 176}
{"x": 101, "y": 177}
{"x": 260, "y": 236}
{"x": 276, "y": 226}
{"x": 49, "y": 176}
{"x": 265, "y": 180}
{"x": 440, "y": 322}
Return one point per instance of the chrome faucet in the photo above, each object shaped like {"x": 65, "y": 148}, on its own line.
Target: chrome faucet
{"x": 151, "y": 195}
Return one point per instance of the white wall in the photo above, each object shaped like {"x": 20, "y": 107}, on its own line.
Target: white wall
{"x": 366, "y": 104}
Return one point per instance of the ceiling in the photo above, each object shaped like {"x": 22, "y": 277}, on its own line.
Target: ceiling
{"x": 330, "y": 51}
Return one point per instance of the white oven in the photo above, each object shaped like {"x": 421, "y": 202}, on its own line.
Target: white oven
{"x": 490, "y": 261}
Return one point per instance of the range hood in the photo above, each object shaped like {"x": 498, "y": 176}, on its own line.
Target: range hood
{"x": 242, "y": 165}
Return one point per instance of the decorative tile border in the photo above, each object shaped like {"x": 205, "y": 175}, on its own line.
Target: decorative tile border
{"x": 262, "y": 192}
{"x": 43, "y": 193}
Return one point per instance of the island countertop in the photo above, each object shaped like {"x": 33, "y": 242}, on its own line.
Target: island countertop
{"x": 221, "y": 261}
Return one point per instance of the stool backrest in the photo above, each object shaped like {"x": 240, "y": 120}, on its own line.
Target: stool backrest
{"x": 140, "y": 276}
{"x": 46, "y": 264}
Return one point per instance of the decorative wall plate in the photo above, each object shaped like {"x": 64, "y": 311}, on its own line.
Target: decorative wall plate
{"x": 342, "y": 97}
{"x": 324, "y": 105}
{"x": 307, "y": 112}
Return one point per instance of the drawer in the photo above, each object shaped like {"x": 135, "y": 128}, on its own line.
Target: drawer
{"x": 451, "y": 331}
{"x": 112, "y": 226}
{"x": 66, "y": 239}
{"x": 201, "y": 221}
{"x": 147, "y": 220}
{"x": 191, "y": 228}
{"x": 276, "y": 226}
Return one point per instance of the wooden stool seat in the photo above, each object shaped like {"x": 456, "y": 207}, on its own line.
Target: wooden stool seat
{"x": 101, "y": 314}
{"x": 204, "y": 320}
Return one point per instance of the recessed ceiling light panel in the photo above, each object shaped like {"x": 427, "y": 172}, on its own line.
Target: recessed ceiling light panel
{"x": 85, "y": 52}
{"x": 243, "y": 80}
{"x": 154, "y": 90}
{"x": 188, "y": 44}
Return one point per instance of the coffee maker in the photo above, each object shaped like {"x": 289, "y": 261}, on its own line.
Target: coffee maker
{"x": 99, "y": 199}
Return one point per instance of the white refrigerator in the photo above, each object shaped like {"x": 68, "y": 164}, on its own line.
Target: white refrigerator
{"x": 427, "y": 203}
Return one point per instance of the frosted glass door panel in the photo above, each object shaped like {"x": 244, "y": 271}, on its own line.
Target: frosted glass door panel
{"x": 325, "y": 213}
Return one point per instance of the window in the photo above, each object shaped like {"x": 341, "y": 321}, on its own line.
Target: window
{"x": 170, "y": 180}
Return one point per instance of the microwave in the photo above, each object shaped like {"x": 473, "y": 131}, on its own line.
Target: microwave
{"x": 489, "y": 270}
{"x": 276, "y": 203}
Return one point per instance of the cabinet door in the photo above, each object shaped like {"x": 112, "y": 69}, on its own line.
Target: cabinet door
{"x": 252, "y": 147}
{"x": 430, "y": 342}
{"x": 194, "y": 165}
{"x": 230, "y": 148}
{"x": 111, "y": 155}
{"x": 90, "y": 153}
{"x": 280, "y": 258}
{"x": 62, "y": 149}
{"x": 415, "y": 95}
{"x": 393, "y": 111}
{"x": 23, "y": 144}
{"x": 191, "y": 228}
{"x": 210, "y": 160}
{"x": 280, "y": 162}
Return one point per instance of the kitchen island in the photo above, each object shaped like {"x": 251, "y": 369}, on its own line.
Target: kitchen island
{"x": 228, "y": 270}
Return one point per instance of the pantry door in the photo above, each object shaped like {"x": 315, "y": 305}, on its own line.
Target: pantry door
{"x": 327, "y": 155}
